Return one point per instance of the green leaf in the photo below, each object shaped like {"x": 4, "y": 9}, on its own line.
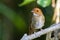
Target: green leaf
{"x": 18, "y": 21}
{"x": 44, "y": 3}
{"x": 25, "y": 2}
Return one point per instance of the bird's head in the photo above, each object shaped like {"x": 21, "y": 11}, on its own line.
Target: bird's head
{"x": 36, "y": 12}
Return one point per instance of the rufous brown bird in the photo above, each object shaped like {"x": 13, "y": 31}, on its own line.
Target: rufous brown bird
{"x": 38, "y": 19}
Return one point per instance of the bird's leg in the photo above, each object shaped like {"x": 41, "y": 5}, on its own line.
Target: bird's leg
{"x": 36, "y": 30}
{"x": 41, "y": 29}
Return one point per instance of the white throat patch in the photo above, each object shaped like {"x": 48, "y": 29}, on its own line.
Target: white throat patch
{"x": 35, "y": 14}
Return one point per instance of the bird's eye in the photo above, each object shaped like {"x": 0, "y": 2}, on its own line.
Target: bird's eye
{"x": 37, "y": 10}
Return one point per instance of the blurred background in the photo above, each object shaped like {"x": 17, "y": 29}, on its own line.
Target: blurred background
{"x": 15, "y": 18}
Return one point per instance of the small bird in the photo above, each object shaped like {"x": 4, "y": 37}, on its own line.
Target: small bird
{"x": 38, "y": 19}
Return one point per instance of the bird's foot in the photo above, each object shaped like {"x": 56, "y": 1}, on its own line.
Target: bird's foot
{"x": 41, "y": 29}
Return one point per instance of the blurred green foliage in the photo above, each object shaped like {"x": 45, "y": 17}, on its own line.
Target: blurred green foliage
{"x": 1, "y": 30}
{"x": 11, "y": 15}
{"x": 44, "y": 3}
{"x": 25, "y": 2}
